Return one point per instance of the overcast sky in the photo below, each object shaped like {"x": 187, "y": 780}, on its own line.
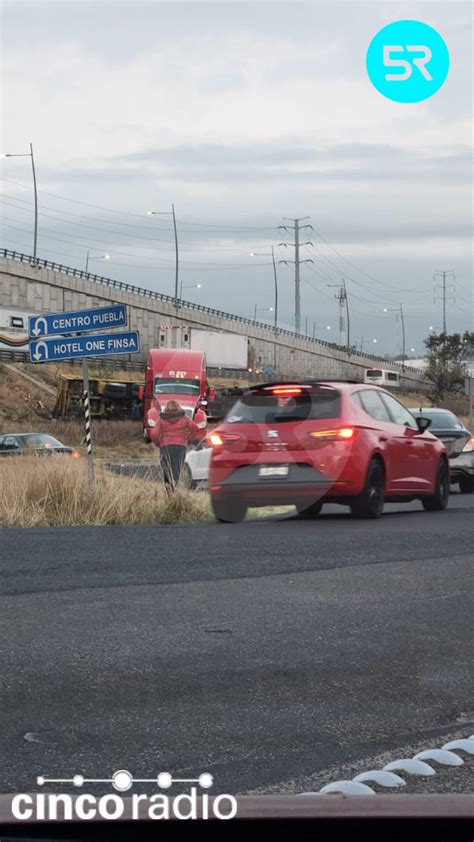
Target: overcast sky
{"x": 242, "y": 114}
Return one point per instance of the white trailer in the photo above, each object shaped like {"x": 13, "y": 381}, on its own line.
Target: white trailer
{"x": 222, "y": 349}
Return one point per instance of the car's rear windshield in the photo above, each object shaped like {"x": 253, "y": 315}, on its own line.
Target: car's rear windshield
{"x": 374, "y": 372}
{"x": 441, "y": 420}
{"x": 265, "y": 408}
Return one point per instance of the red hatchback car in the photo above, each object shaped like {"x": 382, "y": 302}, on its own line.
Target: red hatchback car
{"x": 314, "y": 442}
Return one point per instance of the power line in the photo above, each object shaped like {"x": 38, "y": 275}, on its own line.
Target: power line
{"x": 208, "y": 225}
{"x": 131, "y": 254}
{"x": 200, "y": 247}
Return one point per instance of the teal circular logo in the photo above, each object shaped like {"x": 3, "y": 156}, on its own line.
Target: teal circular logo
{"x": 408, "y": 61}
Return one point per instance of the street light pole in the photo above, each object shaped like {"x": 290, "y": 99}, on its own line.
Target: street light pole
{"x": 35, "y": 236}
{"x": 187, "y": 286}
{"x": 275, "y": 277}
{"x": 319, "y": 327}
{"x": 95, "y": 257}
{"x": 261, "y": 310}
{"x": 176, "y": 249}
{"x": 35, "y": 192}
{"x": 176, "y": 252}
{"x": 276, "y": 288}
{"x": 403, "y": 337}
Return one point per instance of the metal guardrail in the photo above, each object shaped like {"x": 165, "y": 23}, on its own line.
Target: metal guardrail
{"x": 9, "y": 355}
{"x": 159, "y": 296}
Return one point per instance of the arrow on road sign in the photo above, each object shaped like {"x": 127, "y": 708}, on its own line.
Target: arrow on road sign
{"x": 40, "y": 346}
{"x": 36, "y": 331}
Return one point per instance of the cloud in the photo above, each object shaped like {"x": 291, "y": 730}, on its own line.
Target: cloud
{"x": 239, "y": 113}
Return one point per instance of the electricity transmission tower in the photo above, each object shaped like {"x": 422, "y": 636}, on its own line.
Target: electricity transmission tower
{"x": 444, "y": 291}
{"x": 296, "y": 227}
{"x": 344, "y": 320}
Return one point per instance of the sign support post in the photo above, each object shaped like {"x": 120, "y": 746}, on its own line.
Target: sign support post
{"x": 88, "y": 426}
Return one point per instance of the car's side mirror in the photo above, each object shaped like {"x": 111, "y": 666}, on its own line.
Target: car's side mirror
{"x": 423, "y": 423}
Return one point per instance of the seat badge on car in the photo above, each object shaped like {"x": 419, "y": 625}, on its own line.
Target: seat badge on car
{"x": 272, "y": 434}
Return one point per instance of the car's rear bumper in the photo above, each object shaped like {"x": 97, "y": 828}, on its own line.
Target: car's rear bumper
{"x": 462, "y": 466}
{"x": 303, "y": 484}
{"x": 276, "y": 495}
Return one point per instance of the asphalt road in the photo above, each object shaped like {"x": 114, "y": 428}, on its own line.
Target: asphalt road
{"x": 272, "y": 654}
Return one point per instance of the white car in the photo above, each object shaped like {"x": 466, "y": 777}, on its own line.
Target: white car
{"x": 196, "y": 466}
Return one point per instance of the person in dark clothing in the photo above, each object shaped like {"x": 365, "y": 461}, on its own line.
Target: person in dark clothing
{"x": 172, "y": 433}
{"x": 135, "y": 411}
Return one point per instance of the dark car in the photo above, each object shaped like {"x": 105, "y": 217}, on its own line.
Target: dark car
{"x": 23, "y": 444}
{"x": 459, "y": 443}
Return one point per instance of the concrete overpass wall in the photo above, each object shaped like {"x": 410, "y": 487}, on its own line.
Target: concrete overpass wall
{"x": 49, "y": 287}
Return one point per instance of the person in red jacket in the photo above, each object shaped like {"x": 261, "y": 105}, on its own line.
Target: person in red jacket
{"x": 172, "y": 433}
{"x": 153, "y": 414}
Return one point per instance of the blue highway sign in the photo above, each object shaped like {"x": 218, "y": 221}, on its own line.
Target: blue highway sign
{"x": 78, "y": 321}
{"x": 98, "y": 345}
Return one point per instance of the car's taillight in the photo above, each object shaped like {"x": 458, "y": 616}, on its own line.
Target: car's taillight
{"x": 469, "y": 446}
{"x": 287, "y": 390}
{"x": 342, "y": 434}
{"x": 75, "y": 454}
{"x": 220, "y": 439}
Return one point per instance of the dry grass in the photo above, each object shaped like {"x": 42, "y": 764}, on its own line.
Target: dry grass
{"x": 53, "y": 491}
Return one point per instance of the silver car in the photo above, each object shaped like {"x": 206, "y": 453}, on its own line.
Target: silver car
{"x": 459, "y": 442}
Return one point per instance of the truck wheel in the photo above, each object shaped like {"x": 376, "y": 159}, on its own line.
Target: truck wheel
{"x": 466, "y": 485}
{"x": 309, "y": 512}
{"x": 370, "y": 503}
{"x": 229, "y": 511}
{"x": 439, "y": 500}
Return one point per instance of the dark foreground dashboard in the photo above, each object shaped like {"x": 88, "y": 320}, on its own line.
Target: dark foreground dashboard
{"x": 426, "y": 818}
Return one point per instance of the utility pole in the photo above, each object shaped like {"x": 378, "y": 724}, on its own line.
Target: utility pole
{"x": 344, "y": 323}
{"x": 444, "y": 288}
{"x": 399, "y": 312}
{"x": 296, "y": 227}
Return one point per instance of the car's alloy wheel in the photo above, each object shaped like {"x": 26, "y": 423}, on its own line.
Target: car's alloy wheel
{"x": 439, "y": 500}
{"x": 229, "y": 511}
{"x": 309, "y": 512}
{"x": 466, "y": 485}
{"x": 370, "y": 503}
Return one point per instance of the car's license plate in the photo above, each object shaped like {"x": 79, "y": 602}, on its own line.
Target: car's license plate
{"x": 273, "y": 471}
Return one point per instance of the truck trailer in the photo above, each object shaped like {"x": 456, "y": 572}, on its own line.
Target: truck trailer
{"x": 223, "y": 350}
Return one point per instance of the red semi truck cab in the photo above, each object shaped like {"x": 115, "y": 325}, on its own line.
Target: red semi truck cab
{"x": 175, "y": 374}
